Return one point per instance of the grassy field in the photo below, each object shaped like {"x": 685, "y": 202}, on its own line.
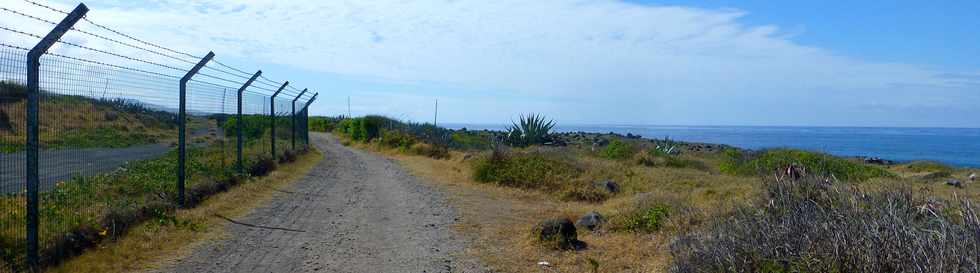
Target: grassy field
{"x": 83, "y": 211}
{"x": 673, "y": 200}
{"x": 81, "y": 122}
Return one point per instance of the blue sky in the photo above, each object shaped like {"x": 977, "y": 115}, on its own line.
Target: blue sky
{"x": 814, "y": 63}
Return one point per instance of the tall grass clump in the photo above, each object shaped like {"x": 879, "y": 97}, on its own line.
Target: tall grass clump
{"x": 532, "y": 129}
{"x": 768, "y": 161}
{"x": 617, "y": 149}
{"x": 816, "y": 225}
{"x": 528, "y": 169}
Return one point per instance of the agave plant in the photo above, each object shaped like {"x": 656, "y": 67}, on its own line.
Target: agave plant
{"x": 667, "y": 146}
{"x": 532, "y": 129}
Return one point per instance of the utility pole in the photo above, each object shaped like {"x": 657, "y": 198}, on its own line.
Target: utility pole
{"x": 348, "y": 108}
{"x": 435, "y": 120}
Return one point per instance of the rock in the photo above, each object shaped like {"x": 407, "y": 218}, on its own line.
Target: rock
{"x": 560, "y": 233}
{"x": 590, "y": 221}
{"x": 973, "y": 177}
{"x": 607, "y": 185}
{"x": 955, "y": 183}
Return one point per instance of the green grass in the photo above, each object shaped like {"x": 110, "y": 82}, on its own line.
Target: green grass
{"x": 99, "y": 137}
{"x": 617, "y": 150}
{"x": 101, "y": 206}
{"x": 769, "y": 161}
{"x": 928, "y": 166}
{"x": 531, "y": 170}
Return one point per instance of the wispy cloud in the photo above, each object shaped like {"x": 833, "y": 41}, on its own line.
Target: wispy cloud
{"x": 615, "y": 61}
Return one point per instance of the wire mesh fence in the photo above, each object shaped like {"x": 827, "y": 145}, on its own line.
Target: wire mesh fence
{"x": 107, "y": 137}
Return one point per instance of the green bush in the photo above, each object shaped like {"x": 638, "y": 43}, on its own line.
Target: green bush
{"x": 617, "y": 149}
{"x": 768, "y": 161}
{"x": 531, "y": 170}
{"x": 254, "y": 126}
{"x": 647, "y": 220}
{"x": 928, "y": 166}
{"x": 397, "y": 139}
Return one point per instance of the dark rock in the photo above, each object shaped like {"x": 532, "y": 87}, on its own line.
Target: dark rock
{"x": 955, "y": 183}
{"x": 607, "y": 185}
{"x": 590, "y": 221}
{"x": 560, "y": 233}
{"x": 973, "y": 176}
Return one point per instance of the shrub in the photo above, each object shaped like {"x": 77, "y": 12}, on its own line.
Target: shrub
{"x": 397, "y": 139}
{"x": 617, "y": 150}
{"x": 584, "y": 193}
{"x": 654, "y": 159}
{"x": 532, "y": 129}
{"x": 813, "y": 225}
{"x": 254, "y": 126}
{"x": 648, "y": 220}
{"x": 533, "y": 170}
{"x": 430, "y": 150}
{"x": 11, "y": 91}
{"x": 928, "y": 166}
{"x": 764, "y": 162}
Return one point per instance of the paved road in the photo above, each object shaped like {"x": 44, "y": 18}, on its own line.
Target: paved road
{"x": 59, "y": 165}
{"x": 354, "y": 212}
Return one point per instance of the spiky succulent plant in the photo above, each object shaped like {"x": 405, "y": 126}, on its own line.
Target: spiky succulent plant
{"x": 530, "y": 130}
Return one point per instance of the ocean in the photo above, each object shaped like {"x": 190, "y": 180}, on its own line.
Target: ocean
{"x": 954, "y": 146}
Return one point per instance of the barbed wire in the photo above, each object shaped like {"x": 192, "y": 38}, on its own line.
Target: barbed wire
{"x": 94, "y": 62}
{"x": 268, "y": 82}
{"x": 97, "y": 36}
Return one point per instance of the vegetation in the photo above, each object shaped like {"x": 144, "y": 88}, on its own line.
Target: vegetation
{"x": 84, "y": 210}
{"x": 68, "y": 121}
{"x": 815, "y": 225}
{"x": 529, "y": 170}
{"x": 531, "y": 129}
{"x": 769, "y": 161}
{"x": 928, "y": 166}
{"x": 618, "y": 150}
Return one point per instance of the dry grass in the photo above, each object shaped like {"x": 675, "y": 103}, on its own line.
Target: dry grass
{"x": 499, "y": 219}
{"x": 151, "y": 244}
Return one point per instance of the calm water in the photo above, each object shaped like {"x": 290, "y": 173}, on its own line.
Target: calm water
{"x": 959, "y": 147}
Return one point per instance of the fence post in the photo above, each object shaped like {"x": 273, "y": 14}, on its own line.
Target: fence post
{"x": 306, "y": 112}
{"x": 239, "y": 123}
{"x": 182, "y": 127}
{"x": 292, "y": 120}
{"x": 33, "y": 148}
{"x": 272, "y": 104}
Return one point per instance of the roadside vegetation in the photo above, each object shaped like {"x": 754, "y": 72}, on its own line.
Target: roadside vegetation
{"x": 671, "y": 206}
{"x": 86, "y": 210}
{"x": 68, "y": 121}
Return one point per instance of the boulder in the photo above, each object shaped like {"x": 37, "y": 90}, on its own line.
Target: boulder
{"x": 590, "y": 221}
{"x": 559, "y": 233}
{"x": 955, "y": 183}
{"x": 607, "y": 185}
{"x": 973, "y": 177}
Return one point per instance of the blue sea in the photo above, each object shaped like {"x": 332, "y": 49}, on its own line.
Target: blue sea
{"x": 955, "y": 146}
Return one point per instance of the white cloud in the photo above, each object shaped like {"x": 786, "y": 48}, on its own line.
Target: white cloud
{"x": 614, "y": 61}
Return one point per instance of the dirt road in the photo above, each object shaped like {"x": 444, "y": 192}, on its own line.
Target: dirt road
{"x": 354, "y": 212}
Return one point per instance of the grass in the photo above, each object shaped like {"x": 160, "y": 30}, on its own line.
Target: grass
{"x": 151, "y": 243}
{"x": 80, "y": 122}
{"x": 668, "y": 200}
{"x": 777, "y": 160}
{"x": 812, "y": 225}
{"x": 86, "y": 210}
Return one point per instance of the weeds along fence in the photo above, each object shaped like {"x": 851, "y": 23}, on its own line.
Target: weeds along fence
{"x": 94, "y": 139}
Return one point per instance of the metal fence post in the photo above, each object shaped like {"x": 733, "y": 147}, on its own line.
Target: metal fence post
{"x": 182, "y": 127}
{"x": 306, "y": 113}
{"x": 272, "y": 104}
{"x": 292, "y": 120}
{"x": 239, "y": 123}
{"x": 32, "y": 149}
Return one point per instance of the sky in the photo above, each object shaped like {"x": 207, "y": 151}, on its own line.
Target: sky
{"x": 759, "y": 63}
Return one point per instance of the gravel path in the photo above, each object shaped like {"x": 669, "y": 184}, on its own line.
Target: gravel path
{"x": 354, "y": 212}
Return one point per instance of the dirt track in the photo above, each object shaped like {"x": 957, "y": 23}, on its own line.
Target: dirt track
{"x": 354, "y": 212}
